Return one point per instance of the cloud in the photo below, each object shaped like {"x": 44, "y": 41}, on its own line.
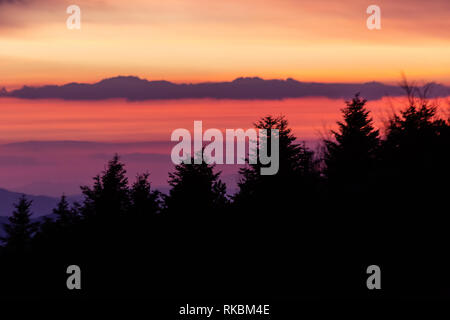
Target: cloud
{"x": 18, "y": 161}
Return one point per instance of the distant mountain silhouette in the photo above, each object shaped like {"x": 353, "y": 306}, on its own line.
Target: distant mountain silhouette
{"x": 42, "y": 205}
{"x": 133, "y": 88}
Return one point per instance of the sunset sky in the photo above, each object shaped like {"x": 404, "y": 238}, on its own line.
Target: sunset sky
{"x": 204, "y": 40}
{"x": 192, "y": 41}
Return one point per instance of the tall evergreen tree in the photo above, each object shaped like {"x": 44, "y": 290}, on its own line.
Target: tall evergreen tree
{"x": 296, "y": 176}
{"x": 20, "y": 230}
{"x": 272, "y": 213}
{"x": 144, "y": 201}
{"x": 351, "y": 155}
{"x": 416, "y": 151}
{"x": 109, "y": 194}
{"x": 65, "y": 216}
{"x": 196, "y": 190}
{"x": 415, "y": 131}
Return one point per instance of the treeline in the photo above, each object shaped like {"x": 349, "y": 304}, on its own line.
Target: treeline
{"x": 368, "y": 197}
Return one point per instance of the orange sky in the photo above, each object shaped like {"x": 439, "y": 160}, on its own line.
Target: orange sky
{"x": 55, "y": 167}
{"x": 205, "y": 40}
{"x": 121, "y": 121}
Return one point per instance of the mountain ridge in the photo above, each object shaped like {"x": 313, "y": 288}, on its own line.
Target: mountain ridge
{"x": 41, "y": 205}
{"x": 133, "y": 88}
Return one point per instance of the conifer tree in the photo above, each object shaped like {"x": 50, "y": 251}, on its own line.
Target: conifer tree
{"x": 297, "y": 172}
{"x": 65, "y": 216}
{"x": 196, "y": 190}
{"x": 144, "y": 201}
{"x": 20, "y": 230}
{"x": 109, "y": 194}
{"x": 351, "y": 155}
{"x": 417, "y": 148}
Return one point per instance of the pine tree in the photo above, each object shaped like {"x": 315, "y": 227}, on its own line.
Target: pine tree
{"x": 65, "y": 216}
{"x": 109, "y": 194}
{"x": 20, "y": 229}
{"x": 297, "y": 172}
{"x": 351, "y": 155}
{"x": 416, "y": 149}
{"x": 196, "y": 191}
{"x": 144, "y": 201}
{"x": 414, "y": 129}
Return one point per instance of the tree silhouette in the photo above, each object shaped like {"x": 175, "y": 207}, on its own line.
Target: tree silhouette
{"x": 109, "y": 194}
{"x": 196, "y": 191}
{"x": 270, "y": 210}
{"x": 286, "y": 228}
{"x": 416, "y": 153}
{"x": 350, "y": 157}
{"x": 62, "y": 219}
{"x": 412, "y": 188}
{"x": 415, "y": 132}
{"x": 297, "y": 172}
{"x": 65, "y": 216}
{"x": 144, "y": 201}
{"x": 20, "y": 229}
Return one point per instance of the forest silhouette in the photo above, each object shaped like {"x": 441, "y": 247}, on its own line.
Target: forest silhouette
{"x": 369, "y": 196}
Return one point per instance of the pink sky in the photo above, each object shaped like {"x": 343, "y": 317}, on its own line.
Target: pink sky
{"x": 193, "y": 41}
{"x": 139, "y": 131}
{"x": 122, "y": 121}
